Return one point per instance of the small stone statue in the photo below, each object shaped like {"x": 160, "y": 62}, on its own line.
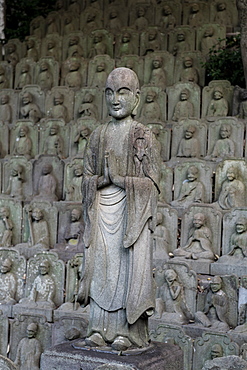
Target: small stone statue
{"x": 74, "y": 48}
{"x": 216, "y": 307}
{"x": 68, "y": 25}
{"x": 87, "y": 108}
{"x": 184, "y": 108}
{"x": 152, "y": 43}
{"x": 161, "y": 240}
{"x": 222, "y": 16}
{"x": 224, "y": 147}
{"x": 232, "y": 192}
{"x": 189, "y": 145}
{"x": 181, "y": 44}
{"x": 73, "y": 232}
{"x": 218, "y": 106}
{"x": 12, "y": 56}
{"x": 73, "y": 78}
{"x": 45, "y": 78}
{"x": 59, "y": 110}
{"x": 8, "y": 283}
{"x": 73, "y": 192}
{"x": 51, "y": 24}
{"x": 43, "y": 289}
{"x": 192, "y": 190}
{"x": 4, "y": 82}
{"x": 114, "y": 22}
{"x": 100, "y": 75}
{"x": 32, "y": 52}
{"x": 6, "y": 227}
{"x": 126, "y": 47}
{"x": 30, "y": 110}
{"x": 29, "y": 350}
{"x": 23, "y": 143}
{"x": 99, "y": 46}
{"x": 15, "y": 186}
{"x": 189, "y": 73}
{"x": 168, "y": 21}
{"x": 216, "y": 351}
{"x": 52, "y": 50}
{"x": 81, "y": 139}
{"x": 39, "y": 233}
{"x": 243, "y": 105}
{"x": 158, "y": 75}
{"x": 199, "y": 244}
{"x": 25, "y": 77}
{"x": 196, "y": 16}
{"x": 54, "y": 142}
{"x": 151, "y": 110}
{"x": 141, "y": 23}
{"x": 238, "y": 241}
{"x": 47, "y": 184}
{"x": 6, "y": 110}
{"x": 208, "y": 41}
{"x": 121, "y": 160}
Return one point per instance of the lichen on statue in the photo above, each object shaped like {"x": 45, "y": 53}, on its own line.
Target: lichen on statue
{"x": 120, "y": 189}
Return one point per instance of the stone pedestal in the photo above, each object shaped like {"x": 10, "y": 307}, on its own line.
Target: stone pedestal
{"x": 159, "y": 356}
{"x": 238, "y": 269}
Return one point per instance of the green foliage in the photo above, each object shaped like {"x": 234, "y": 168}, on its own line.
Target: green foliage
{"x": 19, "y": 14}
{"x": 225, "y": 62}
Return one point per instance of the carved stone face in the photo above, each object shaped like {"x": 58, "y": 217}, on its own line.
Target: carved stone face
{"x": 183, "y": 96}
{"x": 240, "y": 227}
{"x": 156, "y": 63}
{"x": 37, "y": 214}
{"x": 121, "y": 93}
{"x": 215, "y": 286}
{"x": 170, "y": 276}
{"x": 231, "y": 175}
{"x": 225, "y": 132}
{"x": 6, "y": 267}
{"x": 75, "y": 215}
{"x": 180, "y": 36}
{"x": 44, "y": 268}
{"x": 198, "y": 220}
{"x": 4, "y": 99}
{"x": 188, "y": 134}
{"x": 26, "y": 99}
{"x": 192, "y": 174}
{"x": 216, "y": 351}
{"x": 22, "y": 131}
{"x": 217, "y": 95}
{"x": 188, "y": 62}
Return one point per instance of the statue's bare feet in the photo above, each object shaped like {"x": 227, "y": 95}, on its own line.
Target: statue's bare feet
{"x": 95, "y": 340}
{"x": 121, "y": 344}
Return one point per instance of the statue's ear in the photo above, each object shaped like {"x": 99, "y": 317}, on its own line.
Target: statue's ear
{"x": 137, "y": 97}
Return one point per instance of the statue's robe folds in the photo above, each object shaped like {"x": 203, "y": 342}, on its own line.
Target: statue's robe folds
{"x": 117, "y": 274}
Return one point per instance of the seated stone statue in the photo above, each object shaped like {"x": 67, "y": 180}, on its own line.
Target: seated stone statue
{"x": 74, "y": 48}
{"x": 39, "y": 233}
{"x": 215, "y": 310}
{"x": 23, "y": 143}
{"x": 151, "y": 110}
{"x": 52, "y": 50}
{"x": 232, "y": 192}
{"x": 68, "y": 24}
{"x": 73, "y": 232}
{"x": 15, "y": 186}
{"x": 99, "y": 46}
{"x": 87, "y": 108}
{"x": 152, "y": 43}
{"x": 192, "y": 190}
{"x": 167, "y": 21}
{"x": 73, "y": 78}
{"x": 189, "y": 146}
{"x": 238, "y": 241}
{"x": 181, "y": 44}
{"x": 100, "y": 75}
{"x": 199, "y": 244}
{"x": 6, "y": 227}
{"x": 51, "y": 24}
{"x": 196, "y": 18}
{"x": 30, "y": 110}
{"x": 47, "y": 184}
{"x": 224, "y": 147}
{"x": 73, "y": 192}
{"x": 161, "y": 239}
{"x": 218, "y": 106}
{"x": 114, "y": 22}
{"x": 184, "y": 108}
{"x": 32, "y": 52}
{"x": 158, "y": 75}
{"x": 59, "y": 110}
{"x": 4, "y": 82}
{"x": 222, "y": 15}
{"x": 141, "y": 22}
{"x": 43, "y": 289}
{"x": 25, "y": 77}
{"x": 208, "y": 41}
{"x": 81, "y": 139}
{"x": 6, "y": 110}
{"x": 54, "y": 142}
{"x": 126, "y": 47}
{"x": 29, "y": 350}
{"x": 12, "y": 56}
{"x": 8, "y": 283}
{"x": 45, "y": 78}
{"x": 189, "y": 73}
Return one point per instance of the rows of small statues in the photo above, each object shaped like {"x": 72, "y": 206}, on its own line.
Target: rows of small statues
{"x": 182, "y": 100}
{"x": 39, "y": 310}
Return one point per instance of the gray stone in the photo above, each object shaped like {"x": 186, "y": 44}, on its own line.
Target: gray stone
{"x": 168, "y": 15}
{"x": 13, "y": 52}
{"x": 90, "y": 20}
{"x": 195, "y": 14}
{"x": 11, "y": 222}
{"x": 186, "y": 106}
{"x": 52, "y": 47}
{"x": 70, "y": 22}
{"x": 99, "y": 42}
{"x": 59, "y": 103}
{"x": 66, "y": 329}
{"x": 158, "y": 69}
{"x": 153, "y": 105}
{"x": 24, "y": 139}
{"x": 37, "y": 27}
{"x": 166, "y": 184}
{"x": 127, "y": 43}
{"x": 116, "y": 17}
{"x": 188, "y": 68}
{"x": 24, "y": 73}
{"x": 32, "y": 48}
{"x": 99, "y": 68}
{"x": 74, "y": 45}
{"x": 47, "y": 73}
{"x": 31, "y": 105}
{"x": 53, "y": 138}
{"x": 181, "y": 39}
{"x": 88, "y": 103}
{"x": 227, "y": 362}
{"x": 208, "y": 35}
{"x": 73, "y": 180}
{"x": 7, "y": 364}
{"x": 140, "y": 16}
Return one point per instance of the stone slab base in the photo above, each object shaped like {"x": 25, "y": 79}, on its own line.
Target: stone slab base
{"x": 19, "y": 309}
{"x": 160, "y": 356}
{"x": 199, "y": 266}
{"x": 228, "y": 269}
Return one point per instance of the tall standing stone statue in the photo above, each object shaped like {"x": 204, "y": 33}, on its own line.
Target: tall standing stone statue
{"x": 120, "y": 189}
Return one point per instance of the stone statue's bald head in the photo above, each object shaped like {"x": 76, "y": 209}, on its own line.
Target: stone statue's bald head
{"x": 123, "y": 77}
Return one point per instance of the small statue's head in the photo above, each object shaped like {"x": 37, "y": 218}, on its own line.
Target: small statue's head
{"x": 188, "y": 62}
{"x": 27, "y": 98}
{"x": 75, "y": 215}
{"x": 241, "y": 225}
{"x": 46, "y": 169}
{"x": 44, "y": 267}
{"x": 37, "y": 214}
{"x": 4, "y": 99}
{"x": 181, "y": 35}
{"x": 54, "y": 129}
{"x": 140, "y": 11}
{"x": 6, "y": 266}
{"x": 32, "y": 330}
{"x": 78, "y": 170}
{"x": 215, "y": 284}
{"x": 192, "y": 173}
{"x": 184, "y": 95}
{"x": 122, "y": 93}
{"x": 189, "y": 132}
{"x": 216, "y": 351}
{"x": 232, "y": 173}
{"x": 157, "y": 62}
{"x": 126, "y": 37}
{"x": 194, "y": 8}
{"x": 25, "y": 68}
{"x": 218, "y": 93}
{"x": 167, "y": 10}
{"x": 198, "y": 220}
{"x": 4, "y": 212}
{"x": 209, "y": 32}
{"x": 30, "y": 43}
{"x": 58, "y": 98}
{"x": 225, "y": 131}
{"x": 151, "y": 95}
{"x": 23, "y": 131}
{"x": 170, "y": 275}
